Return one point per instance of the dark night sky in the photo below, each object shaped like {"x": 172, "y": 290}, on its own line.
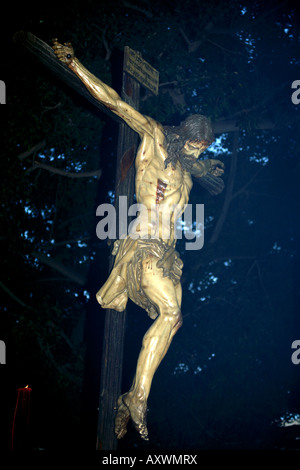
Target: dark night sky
{"x": 229, "y": 374}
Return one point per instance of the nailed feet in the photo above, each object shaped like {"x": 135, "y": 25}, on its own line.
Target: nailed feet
{"x": 136, "y": 409}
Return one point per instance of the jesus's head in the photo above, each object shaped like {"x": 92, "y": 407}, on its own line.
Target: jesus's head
{"x": 187, "y": 141}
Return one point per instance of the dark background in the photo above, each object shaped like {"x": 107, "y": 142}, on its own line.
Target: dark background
{"x": 228, "y": 379}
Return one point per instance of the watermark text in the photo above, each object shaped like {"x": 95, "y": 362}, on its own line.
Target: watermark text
{"x": 296, "y": 354}
{"x": 158, "y": 222}
{"x": 296, "y": 94}
{"x": 155, "y": 459}
{"x": 2, "y": 352}
{"x": 2, "y": 92}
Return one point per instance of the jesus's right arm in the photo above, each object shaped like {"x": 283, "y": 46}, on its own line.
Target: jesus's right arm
{"x": 104, "y": 93}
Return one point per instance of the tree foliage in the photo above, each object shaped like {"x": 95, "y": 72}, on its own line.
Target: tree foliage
{"x": 230, "y": 365}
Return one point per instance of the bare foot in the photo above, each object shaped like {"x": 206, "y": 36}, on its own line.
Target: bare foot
{"x": 129, "y": 407}
{"x": 64, "y": 52}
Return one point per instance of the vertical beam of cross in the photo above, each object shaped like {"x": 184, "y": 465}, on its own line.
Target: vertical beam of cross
{"x": 114, "y": 326}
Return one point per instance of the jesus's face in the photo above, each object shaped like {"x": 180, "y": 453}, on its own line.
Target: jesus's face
{"x": 195, "y": 147}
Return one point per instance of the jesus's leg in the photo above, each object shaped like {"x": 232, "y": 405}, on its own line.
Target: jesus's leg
{"x": 161, "y": 291}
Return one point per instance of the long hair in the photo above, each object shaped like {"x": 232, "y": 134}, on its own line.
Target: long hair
{"x": 194, "y": 127}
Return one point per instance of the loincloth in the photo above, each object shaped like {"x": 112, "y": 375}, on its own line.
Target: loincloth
{"x": 125, "y": 278}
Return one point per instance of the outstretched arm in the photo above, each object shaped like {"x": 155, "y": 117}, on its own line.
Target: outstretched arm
{"x": 207, "y": 173}
{"x": 202, "y": 167}
{"x": 102, "y": 92}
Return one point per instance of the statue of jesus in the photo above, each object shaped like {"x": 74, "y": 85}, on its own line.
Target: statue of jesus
{"x": 147, "y": 269}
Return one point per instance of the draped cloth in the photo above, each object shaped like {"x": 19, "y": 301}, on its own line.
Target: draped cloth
{"x": 124, "y": 280}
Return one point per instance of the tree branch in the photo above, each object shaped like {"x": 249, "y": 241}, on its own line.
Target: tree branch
{"x": 147, "y": 13}
{"x": 262, "y": 102}
{"x": 229, "y": 190}
{"x": 231, "y": 125}
{"x": 229, "y": 51}
{"x": 12, "y": 295}
{"x": 32, "y": 150}
{"x": 69, "y": 174}
{"x": 243, "y": 188}
{"x": 105, "y": 43}
{"x": 194, "y": 45}
{"x": 45, "y": 54}
{"x": 69, "y": 242}
{"x": 58, "y": 266}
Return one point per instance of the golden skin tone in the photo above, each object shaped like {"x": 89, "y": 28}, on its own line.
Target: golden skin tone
{"x": 167, "y": 191}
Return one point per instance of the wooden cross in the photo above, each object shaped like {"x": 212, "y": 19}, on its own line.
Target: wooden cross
{"x": 136, "y": 71}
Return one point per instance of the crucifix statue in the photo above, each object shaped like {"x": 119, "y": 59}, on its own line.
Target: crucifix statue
{"x": 147, "y": 268}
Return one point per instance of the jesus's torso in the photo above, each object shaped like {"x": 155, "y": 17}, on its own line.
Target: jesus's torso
{"x": 162, "y": 192}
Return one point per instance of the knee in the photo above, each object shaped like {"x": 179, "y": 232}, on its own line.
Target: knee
{"x": 179, "y": 321}
{"x": 175, "y": 318}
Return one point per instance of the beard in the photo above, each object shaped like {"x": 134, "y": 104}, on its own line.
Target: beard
{"x": 194, "y": 127}
{"x": 175, "y": 154}
{"x": 187, "y": 161}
